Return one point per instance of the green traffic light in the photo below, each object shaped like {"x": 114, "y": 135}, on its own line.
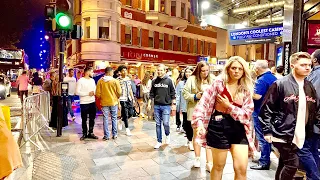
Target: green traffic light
{"x": 63, "y": 20}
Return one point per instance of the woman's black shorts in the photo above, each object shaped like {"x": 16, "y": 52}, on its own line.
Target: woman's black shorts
{"x": 222, "y": 134}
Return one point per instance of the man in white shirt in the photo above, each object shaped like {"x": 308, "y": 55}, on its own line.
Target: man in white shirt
{"x": 71, "y": 80}
{"x": 86, "y": 88}
{"x": 288, "y": 113}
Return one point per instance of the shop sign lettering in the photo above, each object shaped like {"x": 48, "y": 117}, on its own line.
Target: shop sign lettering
{"x": 128, "y": 15}
{"x": 286, "y": 57}
{"x": 255, "y": 35}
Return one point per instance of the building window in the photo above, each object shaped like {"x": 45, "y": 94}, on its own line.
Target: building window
{"x": 140, "y": 4}
{"x": 151, "y": 43}
{"x": 129, "y": 2}
{"x": 163, "y": 6}
{"x": 179, "y": 43}
{"x": 118, "y": 31}
{"x": 209, "y": 49}
{"x": 189, "y": 15}
{"x": 202, "y": 50}
{"x": 183, "y": 10}
{"x": 87, "y": 22}
{"x": 151, "y": 5}
{"x": 128, "y": 34}
{"x": 170, "y": 42}
{"x": 161, "y": 37}
{"x": 195, "y": 46}
{"x": 188, "y": 45}
{"x": 173, "y": 8}
{"x": 139, "y": 36}
{"x": 104, "y": 25}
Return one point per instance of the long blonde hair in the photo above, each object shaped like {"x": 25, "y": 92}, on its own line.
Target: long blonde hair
{"x": 245, "y": 81}
{"x": 197, "y": 73}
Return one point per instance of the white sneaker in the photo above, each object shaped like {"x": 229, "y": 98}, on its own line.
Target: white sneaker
{"x": 190, "y": 146}
{"x": 168, "y": 139}
{"x": 128, "y": 132}
{"x": 209, "y": 167}
{"x": 158, "y": 145}
{"x": 120, "y": 125}
{"x": 178, "y": 129}
{"x": 182, "y": 130}
{"x": 197, "y": 162}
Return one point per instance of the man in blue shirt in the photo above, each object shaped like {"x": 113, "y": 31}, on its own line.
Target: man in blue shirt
{"x": 264, "y": 81}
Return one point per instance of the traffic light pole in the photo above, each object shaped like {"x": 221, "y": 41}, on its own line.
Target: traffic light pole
{"x": 60, "y": 98}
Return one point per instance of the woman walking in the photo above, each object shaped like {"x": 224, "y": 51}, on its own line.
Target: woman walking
{"x": 222, "y": 118}
{"x": 181, "y": 102}
{"x": 192, "y": 92}
{"x": 146, "y": 87}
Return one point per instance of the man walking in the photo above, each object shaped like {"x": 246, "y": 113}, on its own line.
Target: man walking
{"x": 289, "y": 111}
{"x": 264, "y": 80}
{"x": 126, "y": 99}
{"x": 309, "y": 155}
{"x": 109, "y": 91}
{"x": 163, "y": 93}
{"x": 86, "y": 88}
{"x": 71, "y": 80}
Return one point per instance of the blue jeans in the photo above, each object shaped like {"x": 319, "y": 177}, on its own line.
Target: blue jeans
{"x": 309, "y": 157}
{"x": 69, "y": 102}
{"x": 113, "y": 110}
{"x": 265, "y": 147}
{"x": 162, "y": 115}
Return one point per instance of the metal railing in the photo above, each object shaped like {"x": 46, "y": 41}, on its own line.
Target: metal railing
{"x": 35, "y": 117}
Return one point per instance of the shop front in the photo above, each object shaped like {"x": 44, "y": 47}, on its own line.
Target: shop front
{"x": 140, "y": 61}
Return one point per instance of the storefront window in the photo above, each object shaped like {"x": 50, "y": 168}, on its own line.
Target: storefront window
{"x": 179, "y": 43}
{"x": 151, "y": 5}
{"x": 170, "y": 42}
{"x": 195, "y": 46}
{"x": 129, "y": 2}
{"x": 104, "y": 28}
{"x": 183, "y": 10}
{"x": 161, "y": 37}
{"x": 201, "y": 47}
{"x": 173, "y": 8}
{"x": 128, "y": 34}
{"x": 87, "y": 29}
{"x": 151, "y": 39}
{"x": 209, "y": 48}
{"x": 163, "y": 6}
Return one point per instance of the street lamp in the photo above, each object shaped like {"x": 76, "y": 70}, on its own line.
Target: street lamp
{"x": 46, "y": 37}
{"x": 205, "y": 5}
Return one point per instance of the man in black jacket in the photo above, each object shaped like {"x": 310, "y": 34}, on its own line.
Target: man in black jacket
{"x": 288, "y": 113}
{"x": 163, "y": 93}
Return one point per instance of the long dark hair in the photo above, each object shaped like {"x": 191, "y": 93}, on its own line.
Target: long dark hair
{"x": 184, "y": 77}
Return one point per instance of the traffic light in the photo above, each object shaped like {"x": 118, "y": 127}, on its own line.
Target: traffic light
{"x": 49, "y": 13}
{"x": 63, "y": 15}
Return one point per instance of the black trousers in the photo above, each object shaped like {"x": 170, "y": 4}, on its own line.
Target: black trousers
{"x": 125, "y": 108}
{"x": 189, "y": 130}
{"x": 178, "y": 121}
{"x": 288, "y": 160}
{"x": 91, "y": 110}
{"x": 21, "y": 93}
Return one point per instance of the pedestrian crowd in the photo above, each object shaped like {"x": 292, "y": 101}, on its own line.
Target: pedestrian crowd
{"x": 218, "y": 112}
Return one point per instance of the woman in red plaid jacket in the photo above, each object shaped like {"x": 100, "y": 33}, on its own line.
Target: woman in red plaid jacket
{"x": 222, "y": 118}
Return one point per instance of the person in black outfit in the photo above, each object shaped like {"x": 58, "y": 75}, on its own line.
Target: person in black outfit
{"x": 36, "y": 83}
{"x": 288, "y": 114}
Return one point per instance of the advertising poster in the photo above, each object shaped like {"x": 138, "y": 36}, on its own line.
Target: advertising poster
{"x": 314, "y": 34}
{"x": 255, "y": 35}
{"x": 279, "y": 56}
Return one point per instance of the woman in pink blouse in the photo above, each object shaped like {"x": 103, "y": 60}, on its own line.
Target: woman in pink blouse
{"x": 222, "y": 118}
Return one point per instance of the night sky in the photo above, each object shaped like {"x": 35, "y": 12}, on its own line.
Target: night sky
{"x": 21, "y": 22}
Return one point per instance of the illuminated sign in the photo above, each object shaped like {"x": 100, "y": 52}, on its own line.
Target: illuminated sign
{"x": 255, "y": 35}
